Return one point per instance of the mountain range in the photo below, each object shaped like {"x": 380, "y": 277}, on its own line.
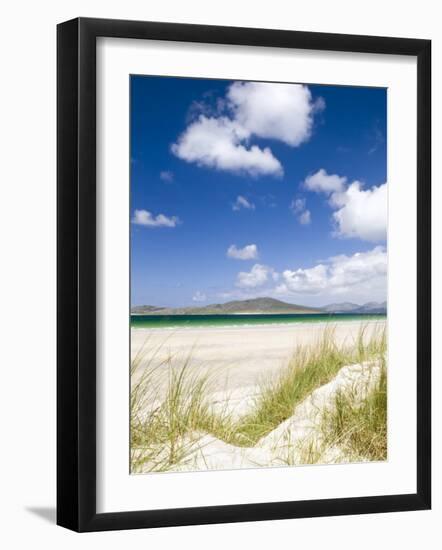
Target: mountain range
{"x": 349, "y": 307}
{"x": 261, "y": 305}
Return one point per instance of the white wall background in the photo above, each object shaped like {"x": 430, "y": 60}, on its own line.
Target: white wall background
{"x": 27, "y": 273}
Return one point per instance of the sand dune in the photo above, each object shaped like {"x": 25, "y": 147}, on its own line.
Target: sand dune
{"x": 286, "y": 443}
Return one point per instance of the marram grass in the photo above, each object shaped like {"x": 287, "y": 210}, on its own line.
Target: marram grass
{"x": 310, "y": 367}
{"x": 359, "y": 427}
{"x": 162, "y": 416}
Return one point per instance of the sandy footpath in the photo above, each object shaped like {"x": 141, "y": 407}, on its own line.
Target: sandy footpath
{"x": 238, "y": 356}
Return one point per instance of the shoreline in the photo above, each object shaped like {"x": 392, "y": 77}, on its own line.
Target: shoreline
{"x": 155, "y": 313}
{"x": 263, "y": 324}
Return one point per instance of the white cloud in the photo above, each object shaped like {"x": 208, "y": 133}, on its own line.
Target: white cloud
{"x": 167, "y": 176}
{"x": 299, "y": 210}
{"x": 242, "y": 202}
{"x": 325, "y": 183}
{"x": 199, "y": 297}
{"x": 359, "y": 278}
{"x": 284, "y": 112}
{"x": 249, "y": 252}
{"x": 218, "y": 143}
{"x": 256, "y": 277}
{"x": 143, "y": 217}
{"x": 298, "y": 205}
{"x": 305, "y": 218}
{"x": 274, "y": 111}
{"x": 363, "y": 274}
{"x": 361, "y": 212}
{"x": 378, "y": 139}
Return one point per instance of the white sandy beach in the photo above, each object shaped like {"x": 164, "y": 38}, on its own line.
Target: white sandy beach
{"x": 239, "y": 356}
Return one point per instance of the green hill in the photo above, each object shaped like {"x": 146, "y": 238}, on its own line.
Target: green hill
{"x": 256, "y": 305}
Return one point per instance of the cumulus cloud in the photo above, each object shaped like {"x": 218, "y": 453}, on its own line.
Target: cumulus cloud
{"x": 220, "y": 139}
{"x": 361, "y": 212}
{"x": 325, "y": 183}
{"x": 274, "y": 111}
{"x": 305, "y": 218}
{"x": 298, "y": 205}
{"x": 199, "y": 297}
{"x": 359, "y": 278}
{"x": 242, "y": 202}
{"x": 143, "y": 217}
{"x": 220, "y": 143}
{"x": 303, "y": 215}
{"x": 248, "y": 252}
{"x": 258, "y": 276}
{"x": 358, "y": 212}
{"x": 364, "y": 273}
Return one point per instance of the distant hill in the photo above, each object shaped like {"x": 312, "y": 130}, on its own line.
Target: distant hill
{"x": 340, "y": 308}
{"x": 256, "y": 305}
{"x": 146, "y": 309}
{"x": 373, "y": 307}
{"x": 261, "y": 305}
{"x": 348, "y": 307}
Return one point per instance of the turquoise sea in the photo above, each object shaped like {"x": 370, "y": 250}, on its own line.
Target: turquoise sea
{"x": 192, "y": 321}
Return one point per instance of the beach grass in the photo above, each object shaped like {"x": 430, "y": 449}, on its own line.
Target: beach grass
{"x": 359, "y": 427}
{"x": 163, "y": 419}
{"x": 159, "y": 424}
{"x": 309, "y": 368}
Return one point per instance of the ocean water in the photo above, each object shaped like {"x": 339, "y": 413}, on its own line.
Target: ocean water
{"x": 193, "y": 321}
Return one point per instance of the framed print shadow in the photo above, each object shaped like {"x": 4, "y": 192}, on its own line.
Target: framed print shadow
{"x": 243, "y": 274}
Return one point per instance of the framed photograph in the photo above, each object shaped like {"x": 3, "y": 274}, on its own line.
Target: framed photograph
{"x": 243, "y": 274}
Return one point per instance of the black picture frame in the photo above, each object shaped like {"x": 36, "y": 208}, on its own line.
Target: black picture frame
{"x": 76, "y": 274}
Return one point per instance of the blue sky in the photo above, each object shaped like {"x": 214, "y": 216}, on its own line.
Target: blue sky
{"x": 243, "y": 189}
